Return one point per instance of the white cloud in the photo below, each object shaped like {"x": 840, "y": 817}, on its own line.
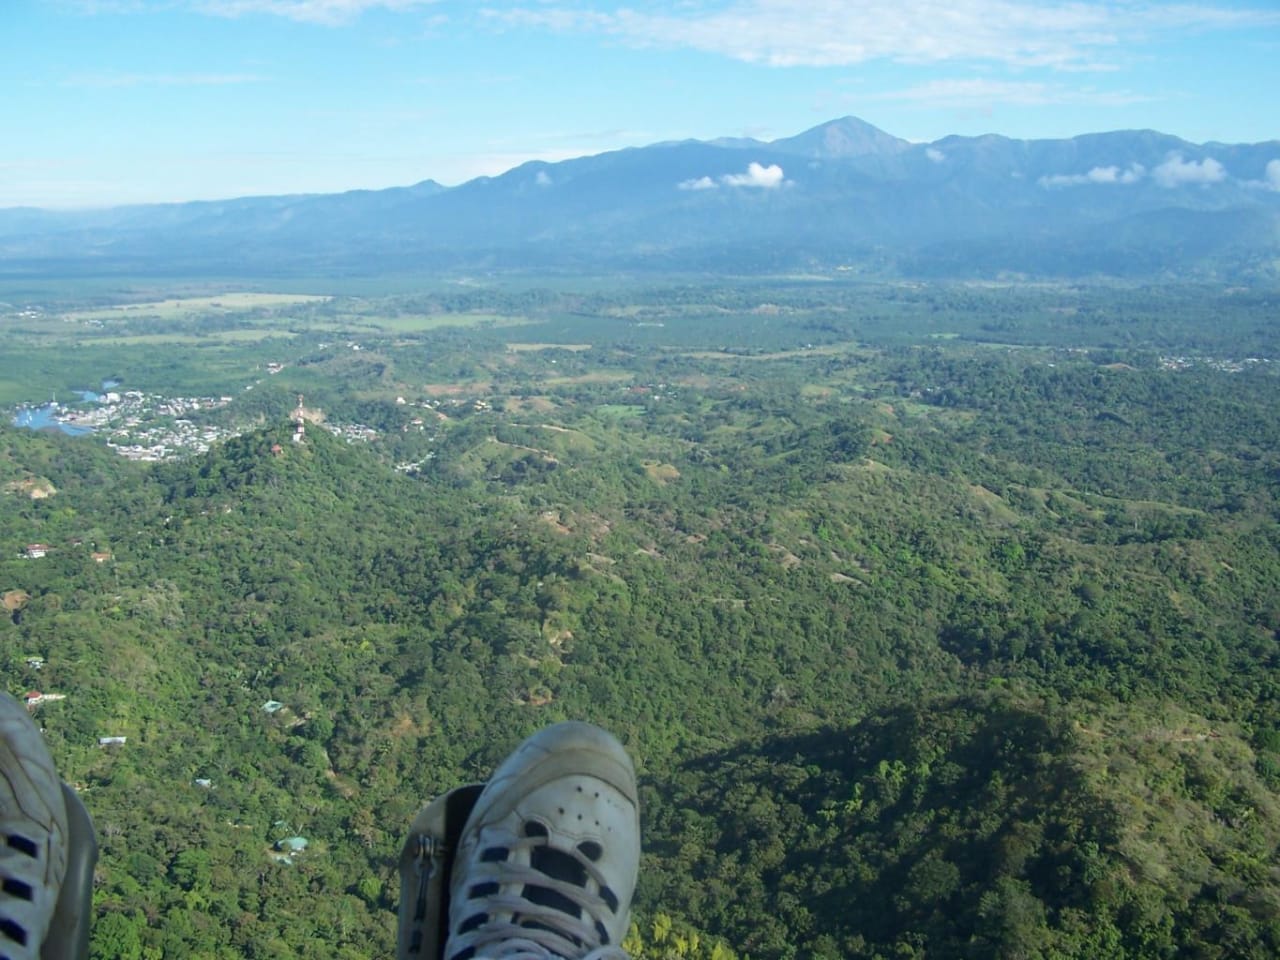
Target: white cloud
{"x": 1062, "y": 34}
{"x": 700, "y": 183}
{"x": 1098, "y": 175}
{"x": 757, "y": 176}
{"x": 767, "y": 178}
{"x": 1273, "y": 175}
{"x": 1270, "y": 178}
{"x": 1176, "y": 172}
{"x": 936, "y": 155}
{"x": 326, "y": 12}
{"x": 542, "y": 179}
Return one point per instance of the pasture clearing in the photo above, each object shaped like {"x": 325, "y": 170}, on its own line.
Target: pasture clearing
{"x": 603, "y": 376}
{"x": 618, "y": 410}
{"x": 421, "y": 323}
{"x": 176, "y": 308}
{"x": 196, "y": 339}
{"x": 531, "y": 347}
{"x": 826, "y": 350}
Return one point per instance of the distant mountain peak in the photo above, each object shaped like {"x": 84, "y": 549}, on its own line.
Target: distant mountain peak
{"x": 845, "y": 137}
{"x": 843, "y": 192}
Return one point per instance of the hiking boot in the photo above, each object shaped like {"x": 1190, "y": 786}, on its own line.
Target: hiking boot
{"x": 33, "y": 825}
{"x": 547, "y": 861}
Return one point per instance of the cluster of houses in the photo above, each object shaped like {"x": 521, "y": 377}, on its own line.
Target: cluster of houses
{"x": 33, "y": 699}
{"x": 37, "y": 551}
{"x": 1217, "y": 363}
{"x": 283, "y": 851}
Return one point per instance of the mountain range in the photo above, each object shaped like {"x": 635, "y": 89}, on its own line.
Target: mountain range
{"x": 843, "y": 195}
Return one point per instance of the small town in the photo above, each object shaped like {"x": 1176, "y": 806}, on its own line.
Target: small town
{"x": 150, "y": 427}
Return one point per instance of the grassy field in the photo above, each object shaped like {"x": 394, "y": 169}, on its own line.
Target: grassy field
{"x": 177, "y": 308}
{"x": 216, "y": 336}
{"x": 411, "y": 323}
{"x": 618, "y": 410}
{"x": 532, "y": 347}
{"x": 827, "y": 350}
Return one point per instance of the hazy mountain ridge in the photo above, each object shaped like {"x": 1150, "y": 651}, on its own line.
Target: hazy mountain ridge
{"x": 841, "y": 194}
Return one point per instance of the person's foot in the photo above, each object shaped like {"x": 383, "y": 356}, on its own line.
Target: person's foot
{"x": 33, "y": 834}
{"x": 547, "y": 861}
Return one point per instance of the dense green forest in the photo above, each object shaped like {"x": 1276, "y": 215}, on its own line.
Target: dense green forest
{"x": 941, "y": 621}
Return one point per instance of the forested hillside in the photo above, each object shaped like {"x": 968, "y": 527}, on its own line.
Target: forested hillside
{"x": 924, "y": 645}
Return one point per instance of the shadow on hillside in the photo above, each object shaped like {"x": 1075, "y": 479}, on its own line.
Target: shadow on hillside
{"x": 945, "y": 823}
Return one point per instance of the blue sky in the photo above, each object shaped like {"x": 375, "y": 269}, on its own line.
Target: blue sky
{"x": 106, "y": 102}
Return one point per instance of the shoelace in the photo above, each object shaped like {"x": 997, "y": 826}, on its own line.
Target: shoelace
{"x": 555, "y": 933}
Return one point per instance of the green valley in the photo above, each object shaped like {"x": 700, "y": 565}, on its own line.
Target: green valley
{"x": 941, "y": 620}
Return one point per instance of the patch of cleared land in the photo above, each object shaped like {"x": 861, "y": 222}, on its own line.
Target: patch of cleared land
{"x": 618, "y": 410}
{"x": 417, "y": 323}
{"x": 828, "y": 350}
{"x": 661, "y": 473}
{"x": 530, "y": 405}
{"x": 604, "y": 376}
{"x": 527, "y": 347}
{"x": 224, "y": 336}
{"x": 456, "y": 389}
{"x": 185, "y": 306}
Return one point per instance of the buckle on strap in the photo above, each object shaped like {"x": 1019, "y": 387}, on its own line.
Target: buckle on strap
{"x": 430, "y": 848}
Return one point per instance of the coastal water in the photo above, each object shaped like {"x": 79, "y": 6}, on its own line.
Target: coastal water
{"x": 46, "y": 418}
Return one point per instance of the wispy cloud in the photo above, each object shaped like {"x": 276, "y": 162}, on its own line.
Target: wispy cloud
{"x": 1098, "y": 175}
{"x": 1173, "y": 172}
{"x": 1176, "y": 172}
{"x": 697, "y": 183}
{"x": 1270, "y": 178}
{"x": 1061, "y": 34}
{"x": 325, "y": 12}
{"x": 980, "y": 92}
{"x": 757, "y": 177}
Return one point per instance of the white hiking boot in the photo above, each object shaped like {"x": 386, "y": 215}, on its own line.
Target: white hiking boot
{"x": 33, "y": 825}
{"x": 547, "y": 862}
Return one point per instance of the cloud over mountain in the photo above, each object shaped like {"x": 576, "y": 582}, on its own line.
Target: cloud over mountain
{"x": 757, "y": 176}
{"x": 1100, "y": 175}
{"x": 960, "y": 206}
{"x": 1176, "y": 172}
